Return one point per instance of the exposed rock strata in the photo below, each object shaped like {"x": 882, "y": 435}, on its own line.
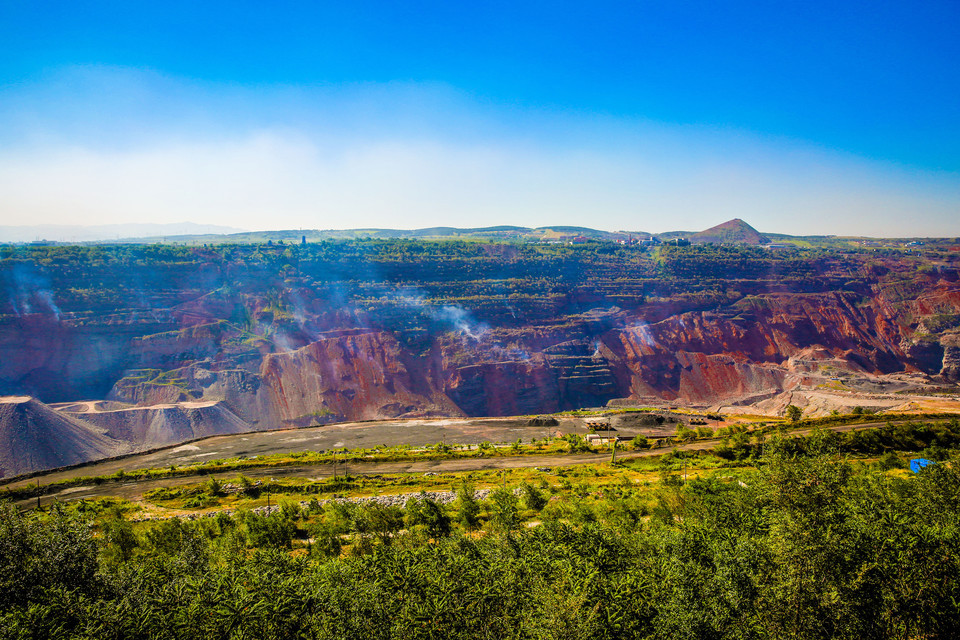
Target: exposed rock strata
{"x": 268, "y": 337}
{"x": 950, "y": 365}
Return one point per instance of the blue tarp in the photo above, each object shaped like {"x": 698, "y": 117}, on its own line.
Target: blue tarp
{"x": 919, "y": 463}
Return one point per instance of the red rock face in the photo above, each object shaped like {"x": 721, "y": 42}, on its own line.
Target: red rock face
{"x": 295, "y": 347}
{"x": 284, "y": 337}
{"x": 505, "y": 388}
{"x": 708, "y": 357}
{"x": 356, "y": 376}
{"x": 695, "y": 356}
{"x": 699, "y": 357}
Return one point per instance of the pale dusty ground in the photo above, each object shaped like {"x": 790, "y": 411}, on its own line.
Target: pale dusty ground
{"x": 105, "y": 406}
{"x": 134, "y": 490}
{"x": 821, "y": 401}
{"x": 351, "y": 435}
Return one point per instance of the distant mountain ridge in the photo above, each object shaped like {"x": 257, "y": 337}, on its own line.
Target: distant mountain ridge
{"x": 734, "y": 231}
{"x": 495, "y": 233}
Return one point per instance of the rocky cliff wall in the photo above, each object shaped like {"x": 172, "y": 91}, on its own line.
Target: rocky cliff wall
{"x": 357, "y": 376}
{"x": 288, "y": 336}
{"x": 950, "y": 365}
{"x": 703, "y": 357}
{"x": 710, "y": 357}
{"x": 505, "y": 388}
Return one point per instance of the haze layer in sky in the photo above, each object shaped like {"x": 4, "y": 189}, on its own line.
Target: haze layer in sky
{"x": 799, "y": 117}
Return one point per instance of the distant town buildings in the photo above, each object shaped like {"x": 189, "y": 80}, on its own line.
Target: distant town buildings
{"x": 643, "y": 241}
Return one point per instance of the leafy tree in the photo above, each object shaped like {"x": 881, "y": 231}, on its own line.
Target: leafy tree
{"x": 421, "y": 511}
{"x": 181, "y": 541}
{"x": 813, "y": 548}
{"x": 889, "y": 461}
{"x": 533, "y": 498}
{"x": 40, "y": 556}
{"x": 247, "y": 486}
{"x": 119, "y": 536}
{"x": 467, "y": 507}
{"x": 807, "y": 545}
{"x": 684, "y": 434}
{"x": 936, "y": 452}
{"x": 275, "y": 530}
{"x": 379, "y": 520}
{"x": 504, "y": 509}
{"x": 326, "y": 539}
{"x": 214, "y": 486}
{"x": 577, "y": 443}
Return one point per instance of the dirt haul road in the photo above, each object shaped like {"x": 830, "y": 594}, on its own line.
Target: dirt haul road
{"x": 134, "y": 489}
{"x": 352, "y": 435}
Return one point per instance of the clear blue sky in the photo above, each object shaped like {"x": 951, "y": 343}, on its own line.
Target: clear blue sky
{"x": 802, "y": 117}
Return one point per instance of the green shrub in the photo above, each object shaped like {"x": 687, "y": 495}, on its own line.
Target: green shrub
{"x": 533, "y": 499}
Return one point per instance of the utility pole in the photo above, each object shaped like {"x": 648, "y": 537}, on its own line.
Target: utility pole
{"x": 613, "y": 455}
{"x": 38, "y": 494}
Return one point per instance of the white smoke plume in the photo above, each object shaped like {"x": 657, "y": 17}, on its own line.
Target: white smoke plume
{"x": 29, "y": 292}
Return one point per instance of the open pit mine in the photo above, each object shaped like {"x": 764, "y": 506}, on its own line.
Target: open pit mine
{"x": 112, "y": 349}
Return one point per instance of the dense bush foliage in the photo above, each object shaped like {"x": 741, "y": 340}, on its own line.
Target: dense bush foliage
{"x": 808, "y": 546}
{"x": 933, "y": 439}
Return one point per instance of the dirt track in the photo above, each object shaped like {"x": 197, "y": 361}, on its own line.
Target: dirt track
{"x": 133, "y": 489}
{"x": 353, "y": 435}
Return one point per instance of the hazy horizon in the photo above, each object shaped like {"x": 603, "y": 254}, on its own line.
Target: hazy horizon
{"x": 812, "y": 120}
{"x": 127, "y": 231}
